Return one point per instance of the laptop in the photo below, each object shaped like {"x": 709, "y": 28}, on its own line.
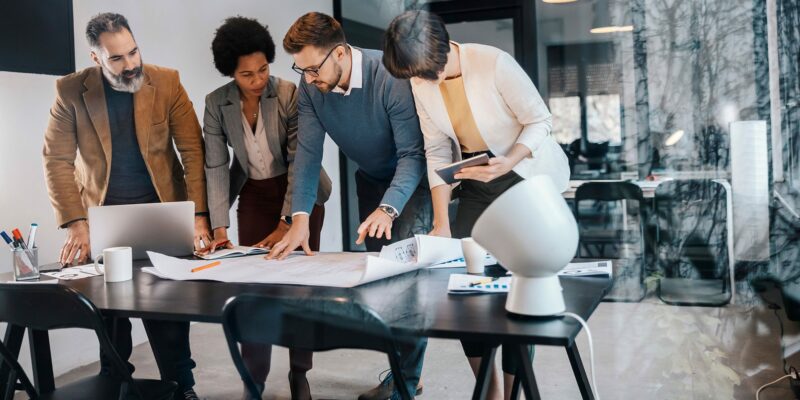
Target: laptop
{"x": 166, "y": 228}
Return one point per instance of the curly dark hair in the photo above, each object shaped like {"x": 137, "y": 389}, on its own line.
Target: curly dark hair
{"x": 239, "y": 36}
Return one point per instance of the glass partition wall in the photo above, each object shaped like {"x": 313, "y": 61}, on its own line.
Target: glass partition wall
{"x": 695, "y": 103}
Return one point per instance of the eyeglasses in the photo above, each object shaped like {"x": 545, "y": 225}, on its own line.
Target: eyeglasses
{"x": 314, "y": 71}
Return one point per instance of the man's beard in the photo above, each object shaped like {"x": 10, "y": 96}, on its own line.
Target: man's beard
{"x": 127, "y": 81}
{"x": 326, "y": 86}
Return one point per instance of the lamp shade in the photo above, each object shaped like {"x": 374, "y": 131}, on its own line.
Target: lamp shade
{"x": 532, "y": 233}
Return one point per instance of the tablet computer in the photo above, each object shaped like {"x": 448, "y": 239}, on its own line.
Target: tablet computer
{"x": 447, "y": 173}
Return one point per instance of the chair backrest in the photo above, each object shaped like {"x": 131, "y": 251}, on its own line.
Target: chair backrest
{"x": 608, "y": 191}
{"x": 46, "y": 307}
{"x": 692, "y": 213}
{"x": 315, "y": 324}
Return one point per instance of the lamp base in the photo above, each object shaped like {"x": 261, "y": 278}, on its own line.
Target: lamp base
{"x": 535, "y": 296}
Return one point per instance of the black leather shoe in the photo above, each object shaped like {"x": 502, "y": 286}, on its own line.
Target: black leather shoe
{"x": 188, "y": 394}
{"x": 299, "y": 387}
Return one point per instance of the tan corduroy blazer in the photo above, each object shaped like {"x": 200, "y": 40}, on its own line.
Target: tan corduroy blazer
{"x": 77, "y": 142}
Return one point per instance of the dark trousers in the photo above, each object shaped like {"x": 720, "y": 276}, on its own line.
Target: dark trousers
{"x": 416, "y": 217}
{"x": 473, "y": 199}
{"x": 169, "y": 341}
{"x": 259, "y": 213}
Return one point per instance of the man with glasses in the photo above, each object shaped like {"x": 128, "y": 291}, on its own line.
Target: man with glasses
{"x": 346, "y": 92}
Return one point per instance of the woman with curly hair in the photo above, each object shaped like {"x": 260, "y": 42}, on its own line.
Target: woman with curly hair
{"x": 256, "y": 115}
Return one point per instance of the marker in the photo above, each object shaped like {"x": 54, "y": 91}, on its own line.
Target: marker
{"x": 207, "y": 266}
{"x": 32, "y": 235}
{"x": 8, "y": 240}
{"x": 18, "y": 237}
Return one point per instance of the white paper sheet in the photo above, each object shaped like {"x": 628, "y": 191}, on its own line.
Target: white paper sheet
{"x": 587, "y": 268}
{"x": 73, "y": 273}
{"x": 470, "y": 284}
{"x": 323, "y": 269}
{"x": 423, "y": 250}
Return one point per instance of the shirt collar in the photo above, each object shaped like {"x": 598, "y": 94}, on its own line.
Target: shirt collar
{"x": 356, "y": 72}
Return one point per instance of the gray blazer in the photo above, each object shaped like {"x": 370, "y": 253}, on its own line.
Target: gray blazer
{"x": 222, "y": 124}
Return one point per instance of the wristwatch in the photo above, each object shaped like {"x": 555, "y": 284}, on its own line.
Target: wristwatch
{"x": 287, "y": 219}
{"x": 389, "y": 210}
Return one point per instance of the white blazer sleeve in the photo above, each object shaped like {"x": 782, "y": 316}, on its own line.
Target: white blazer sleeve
{"x": 438, "y": 146}
{"x": 521, "y": 96}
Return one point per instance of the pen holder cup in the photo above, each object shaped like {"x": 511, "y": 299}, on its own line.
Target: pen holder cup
{"x": 26, "y": 264}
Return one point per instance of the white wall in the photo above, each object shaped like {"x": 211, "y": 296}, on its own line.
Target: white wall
{"x": 175, "y": 34}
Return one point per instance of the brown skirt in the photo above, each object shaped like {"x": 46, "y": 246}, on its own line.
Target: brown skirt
{"x": 259, "y": 211}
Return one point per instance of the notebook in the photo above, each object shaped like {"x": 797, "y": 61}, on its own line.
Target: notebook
{"x": 236, "y": 251}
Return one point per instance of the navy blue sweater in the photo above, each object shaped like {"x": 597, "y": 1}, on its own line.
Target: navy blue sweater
{"x": 376, "y": 126}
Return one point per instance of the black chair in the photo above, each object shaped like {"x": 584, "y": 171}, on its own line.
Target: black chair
{"x": 314, "y": 324}
{"x": 692, "y": 252}
{"x": 606, "y": 231}
{"x": 48, "y": 307}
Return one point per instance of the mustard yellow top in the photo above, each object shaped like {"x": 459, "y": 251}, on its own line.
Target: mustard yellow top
{"x": 455, "y": 99}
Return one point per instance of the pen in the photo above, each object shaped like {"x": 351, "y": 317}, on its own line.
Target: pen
{"x": 8, "y": 240}
{"x": 482, "y": 282}
{"x": 207, "y": 266}
{"x": 32, "y": 235}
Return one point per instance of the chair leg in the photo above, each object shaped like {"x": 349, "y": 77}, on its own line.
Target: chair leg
{"x": 399, "y": 378}
{"x": 16, "y": 373}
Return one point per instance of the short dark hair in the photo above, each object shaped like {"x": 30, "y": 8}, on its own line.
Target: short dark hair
{"x": 313, "y": 29}
{"x": 239, "y": 36}
{"x": 416, "y": 44}
{"x": 102, "y": 23}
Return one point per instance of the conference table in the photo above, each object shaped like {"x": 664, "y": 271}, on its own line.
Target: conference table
{"x": 415, "y": 303}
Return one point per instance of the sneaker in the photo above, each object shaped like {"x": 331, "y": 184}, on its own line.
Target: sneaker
{"x": 188, "y": 394}
{"x": 385, "y": 389}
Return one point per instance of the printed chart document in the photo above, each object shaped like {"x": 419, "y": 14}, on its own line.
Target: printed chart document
{"x": 73, "y": 273}
{"x": 236, "y": 251}
{"x": 587, "y": 268}
{"x": 433, "y": 251}
{"x": 322, "y": 269}
{"x": 472, "y": 284}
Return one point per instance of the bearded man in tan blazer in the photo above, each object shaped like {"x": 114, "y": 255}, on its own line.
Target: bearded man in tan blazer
{"x": 111, "y": 140}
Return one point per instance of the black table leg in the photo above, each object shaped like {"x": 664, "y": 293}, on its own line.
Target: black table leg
{"x": 525, "y": 372}
{"x": 13, "y": 342}
{"x": 580, "y": 373}
{"x": 41, "y": 361}
{"x": 484, "y": 376}
{"x": 515, "y": 388}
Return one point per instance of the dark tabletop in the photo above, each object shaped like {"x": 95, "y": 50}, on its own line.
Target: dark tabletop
{"x": 416, "y": 302}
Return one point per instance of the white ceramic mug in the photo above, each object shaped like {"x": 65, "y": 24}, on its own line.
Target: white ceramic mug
{"x": 117, "y": 264}
{"x": 474, "y": 256}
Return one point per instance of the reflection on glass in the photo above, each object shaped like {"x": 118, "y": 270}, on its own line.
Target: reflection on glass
{"x": 498, "y": 33}
{"x": 566, "y": 113}
{"x": 602, "y": 112}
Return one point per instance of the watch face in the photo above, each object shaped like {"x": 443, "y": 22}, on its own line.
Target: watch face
{"x": 389, "y": 210}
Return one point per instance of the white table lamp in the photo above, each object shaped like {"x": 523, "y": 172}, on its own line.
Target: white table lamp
{"x": 532, "y": 233}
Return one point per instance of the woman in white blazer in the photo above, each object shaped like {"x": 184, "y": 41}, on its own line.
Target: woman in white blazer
{"x": 472, "y": 99}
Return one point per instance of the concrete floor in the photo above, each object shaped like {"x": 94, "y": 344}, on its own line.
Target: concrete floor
{"x": 644, "y": 350}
